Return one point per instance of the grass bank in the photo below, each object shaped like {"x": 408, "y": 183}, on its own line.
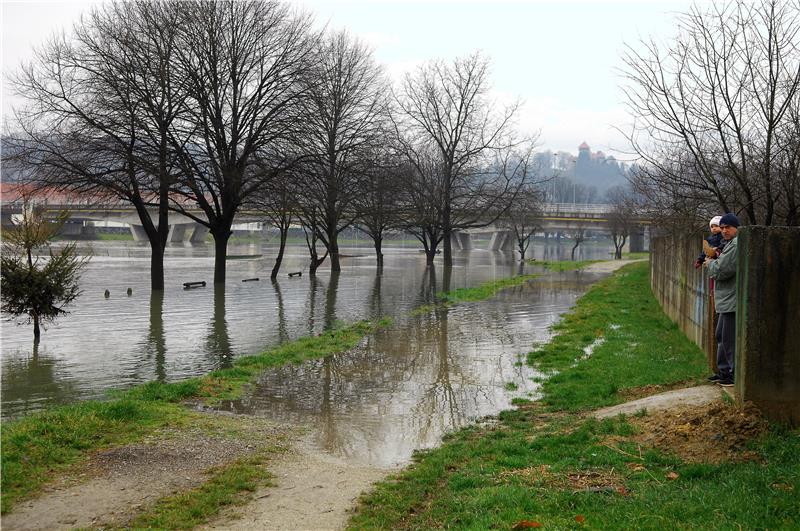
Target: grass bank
{"x": 562, "y": 265}
{"x": 547, "y": 465}
{"x": 39, "y": 447}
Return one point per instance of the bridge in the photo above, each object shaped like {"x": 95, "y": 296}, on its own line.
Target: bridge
{"x": 555, "y": 218}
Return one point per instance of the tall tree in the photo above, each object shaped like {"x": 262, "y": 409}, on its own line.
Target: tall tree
{"x": 246, "y": 65}
{"x": 713, "y": 110}
{"x": 446, "y": 108}
{"x": 99, "y": 103}
{"x": 343, "y": 123}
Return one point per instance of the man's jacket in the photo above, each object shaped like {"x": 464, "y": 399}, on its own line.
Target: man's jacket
{"x": 723, "y": 271}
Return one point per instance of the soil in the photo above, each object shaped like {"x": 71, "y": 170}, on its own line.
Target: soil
{"x": 710, "y": 433}
{"x": 114, "y": 485}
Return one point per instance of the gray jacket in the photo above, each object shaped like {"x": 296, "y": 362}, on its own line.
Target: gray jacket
{"x": 723, "y": 271}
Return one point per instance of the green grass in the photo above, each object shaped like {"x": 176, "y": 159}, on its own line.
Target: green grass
{"x": 484, "y": 291}
{"x": 228, "y": 485}
{"x": 562, "y": 265}
{"x": 636, "y": 345}
{"x": 519, "y": 469}
{"x": 114, "y": 236}
{"x": 38, "y": 447}
{"x": 636, "y": 256}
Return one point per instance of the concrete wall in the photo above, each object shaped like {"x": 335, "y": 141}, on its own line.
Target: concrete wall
{"x": 768, "y": 321}
{"x": 683, "y": 291}
{"x": 768, "y": 317}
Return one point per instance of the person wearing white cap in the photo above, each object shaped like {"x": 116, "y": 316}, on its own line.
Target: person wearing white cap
{"x": 715, "y": 241}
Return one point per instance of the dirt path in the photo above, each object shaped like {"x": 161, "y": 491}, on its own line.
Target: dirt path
{"x": 608, "y": 266}
{"x": 312, "y": 490}
{"x": 114, "y": 485}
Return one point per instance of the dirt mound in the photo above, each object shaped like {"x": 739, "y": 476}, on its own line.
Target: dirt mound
{"x": 711, "y": 433}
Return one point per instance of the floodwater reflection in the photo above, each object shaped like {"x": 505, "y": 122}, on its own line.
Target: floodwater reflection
{"x": 116, "y": 342}
{"x": 404, "y": 387}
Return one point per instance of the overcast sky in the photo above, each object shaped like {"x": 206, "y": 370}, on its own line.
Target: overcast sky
{"x": 560, "y": 58}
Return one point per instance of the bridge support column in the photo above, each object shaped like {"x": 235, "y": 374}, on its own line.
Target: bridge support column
{"x": 138, "y": 233}
{"x": 502, "y": 241}
{"x": 199, "y": 233}
{"x": 636, "y": 241}
{"x": 461, "y": 241}
{"x": 177, "y": 233}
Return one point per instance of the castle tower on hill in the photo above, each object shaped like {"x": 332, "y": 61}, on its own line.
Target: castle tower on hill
{"x": 584, "y": 163}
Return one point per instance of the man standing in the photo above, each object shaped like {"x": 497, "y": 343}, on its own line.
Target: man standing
{"x": 723, "y": 271}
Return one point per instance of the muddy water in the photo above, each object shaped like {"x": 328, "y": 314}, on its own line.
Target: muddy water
{"x": 116, "y": 342}
{"x": 407, "y": 385}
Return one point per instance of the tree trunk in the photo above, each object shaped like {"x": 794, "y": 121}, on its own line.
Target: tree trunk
{"x": 156, "y": 265}
{"x": 573, "y": 250}
{"x": 277, "y": 267}
{"x": 378, "y": 242}
{"x": 221, "y": 237}
{"x": 334, "y": 252}
{"x": 37, "y": 333}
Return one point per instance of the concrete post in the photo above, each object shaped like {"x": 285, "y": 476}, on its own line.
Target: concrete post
{"x": 636, "y": 240}
{"x": 461, "y": 241}
{"x": 139, "y": 235}
{"x": 768, "y": 313}
{"x": 177, "y": 232}
{"x": 199, "y": 233}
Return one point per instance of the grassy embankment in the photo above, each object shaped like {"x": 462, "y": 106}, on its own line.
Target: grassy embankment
{"x": 38, "y": 447}
{"x": 518, "y": 473}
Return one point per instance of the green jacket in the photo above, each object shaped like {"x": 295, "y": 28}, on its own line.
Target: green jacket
{"x": 723, "y": 271}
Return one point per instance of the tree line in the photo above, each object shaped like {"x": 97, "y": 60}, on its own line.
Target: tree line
{"x": 206, "y": 109}
{"x": 717, "y": 114}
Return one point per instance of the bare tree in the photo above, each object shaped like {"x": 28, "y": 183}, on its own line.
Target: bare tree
{"x": 277, "y": 202}
{"x": 99, "y": 104}
{"x": 713, "y": 109}
{"x": 579, "y": 236}
{"x": 621, "y": 219}
{"x": 245, "y": 65}
{"x": 524, "y": 217}
{"x": 343, "y": 123}
{"x": 378, "y": 202}
{"x": 444, "y": 112}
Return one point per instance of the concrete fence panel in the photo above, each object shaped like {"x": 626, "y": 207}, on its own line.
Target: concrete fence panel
{"x": 768, "y": 321}
{"x": 683, "y": 291}
{"x": 768, "y": 316}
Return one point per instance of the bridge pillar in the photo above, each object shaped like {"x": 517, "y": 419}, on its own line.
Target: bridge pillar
{"x": 636, "y": 240}
{"x": 138, "y": 233}
{"x": 502, "y": 240}
{"x": 199, "y": 233}
{"x": 177, "y": 233}
{"x": 461, "y": 241}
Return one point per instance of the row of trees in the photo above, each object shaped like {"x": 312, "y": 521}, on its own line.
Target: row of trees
{"x": 717, "y": 114}
{"x": 209, "y": 108}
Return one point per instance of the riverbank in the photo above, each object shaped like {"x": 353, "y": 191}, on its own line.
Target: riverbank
{"x": 63, "y": 452}
{"x": 552, "y": 464}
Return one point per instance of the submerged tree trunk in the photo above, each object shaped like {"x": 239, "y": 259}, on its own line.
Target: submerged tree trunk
{"x": 221, "y": 237}
{"x": 279, "y": 259}
{"x": 378, "y": 243}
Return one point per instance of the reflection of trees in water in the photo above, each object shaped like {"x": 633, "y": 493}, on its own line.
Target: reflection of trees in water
{"x": 156, "y": 345}
{"x": 283, "y": 332}
{"x": 33, "y": 382}
{"x": 218, "y": 342}
{"x": 375, "y": 302}
{"x": 311, "y": 304}
{"x": 329, "y": 317}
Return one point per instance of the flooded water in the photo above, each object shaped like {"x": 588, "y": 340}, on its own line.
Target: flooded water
{"x": 398, "y": 391}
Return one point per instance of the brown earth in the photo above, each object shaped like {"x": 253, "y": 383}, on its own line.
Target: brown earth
{"x": 114, "y": 485}
{"x": 710, "y": 433}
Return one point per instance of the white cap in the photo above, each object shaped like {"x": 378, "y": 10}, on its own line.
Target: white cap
{"x": 715, "y": 221}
